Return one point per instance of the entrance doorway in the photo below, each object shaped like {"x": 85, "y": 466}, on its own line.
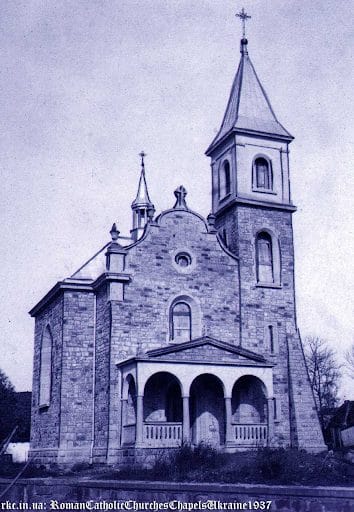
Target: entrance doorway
{"x": 207, "y": 411}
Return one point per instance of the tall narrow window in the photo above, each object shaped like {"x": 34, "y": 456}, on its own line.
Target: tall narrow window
{"x": 45, "y": 378}
{"x": 181, "y": 319}
{"x": 224, "y": 180}
{"x": 271, "y": 338}
{"x": 265, "y": 273}
{"x": 263, "y": 174}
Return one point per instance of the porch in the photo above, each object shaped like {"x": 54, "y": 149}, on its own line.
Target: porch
{"x": 227, "y": 405}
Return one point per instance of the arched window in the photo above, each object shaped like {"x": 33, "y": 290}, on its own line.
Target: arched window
{"x": 181, "y": 322}
{"x": 45, "y": 377}
{"x": 263, "y": 178}
{"x": 271, "y": 338}
{"x": 224, "y": 180}
{"x": 264, "y": 254}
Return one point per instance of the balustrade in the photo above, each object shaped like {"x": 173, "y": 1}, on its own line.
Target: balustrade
{"x": 251, "y": 434}
{"x": 160, "y": 434}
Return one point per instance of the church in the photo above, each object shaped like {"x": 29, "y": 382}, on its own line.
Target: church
{"x": 184, "y": 332}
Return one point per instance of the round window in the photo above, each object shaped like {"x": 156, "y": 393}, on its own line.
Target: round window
{"x": 183, "y": 259}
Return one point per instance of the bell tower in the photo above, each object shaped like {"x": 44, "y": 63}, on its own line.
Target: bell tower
{"x": 249, "y": 155}
{"x": 252, "y": 206}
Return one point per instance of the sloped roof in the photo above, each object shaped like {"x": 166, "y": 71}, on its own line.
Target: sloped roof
{"x": 142, "y": 196}
{"x": 205, "y": 340}
{"x": 249, "y": 108}
{"x": 204, "y": 350}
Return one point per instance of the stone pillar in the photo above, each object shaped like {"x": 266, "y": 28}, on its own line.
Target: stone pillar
{"x": 139, "y": 420}
{"x": 228, "y": 419}
{"x": 270, "y": 421}
{"x": 124, "y": 403}
{"x": 186, "y": 420}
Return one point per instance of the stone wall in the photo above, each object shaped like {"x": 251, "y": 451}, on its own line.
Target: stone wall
{"x": 141, "y": 321}
{"x": 305, "y": 425}
{"x": 211, "y": 282}
{"x": 62, "y": 431}
{"x": 102, "y": 373}
{"x": 45, "y": 426}
{"x": 77, "y": 376}
{"x": 264, "y": 306}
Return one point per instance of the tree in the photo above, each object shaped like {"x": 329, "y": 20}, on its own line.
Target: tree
{"x": 349, "y": 361}
{"x": 7, "y": 406}
{"x": 324, "y": 373}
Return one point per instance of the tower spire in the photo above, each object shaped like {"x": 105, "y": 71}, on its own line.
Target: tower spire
{"x": 248, "y": 109}
{"x": 142, "y": 207}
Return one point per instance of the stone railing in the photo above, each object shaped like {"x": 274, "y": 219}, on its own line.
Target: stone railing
{"x": 251, "y": 434}
{"x": 128, "y": 434}
{"x": 166, "y": 434}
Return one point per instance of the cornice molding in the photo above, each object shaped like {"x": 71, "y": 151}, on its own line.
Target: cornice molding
{"x": 256, "y": 204}
{"x": 78, "y": 285}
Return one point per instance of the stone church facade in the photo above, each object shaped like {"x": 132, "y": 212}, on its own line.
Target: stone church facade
{"x": 186, "y": 332}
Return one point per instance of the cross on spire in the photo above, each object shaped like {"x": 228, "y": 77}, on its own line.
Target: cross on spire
{"x": 243, "y": 17}
{"x": 142, "y": 154}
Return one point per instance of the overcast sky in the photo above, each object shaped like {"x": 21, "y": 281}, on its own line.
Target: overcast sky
{"x": 86, "y": 84}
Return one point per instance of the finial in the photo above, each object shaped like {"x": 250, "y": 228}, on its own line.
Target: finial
{"x": 243, "y": 17}
{"x": 114, "y": 233}
{"x": 142, "y": 154}
{"x": 180, "y": 194}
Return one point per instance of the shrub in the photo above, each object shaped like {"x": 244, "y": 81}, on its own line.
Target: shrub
{"x": 187, "y": 461}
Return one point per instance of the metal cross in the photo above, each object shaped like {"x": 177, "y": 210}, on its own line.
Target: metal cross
{"x": 142, "y": 154}
{"x": 244, "y": 17}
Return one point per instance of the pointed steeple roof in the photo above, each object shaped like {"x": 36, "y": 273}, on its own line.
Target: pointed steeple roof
{"x": 249, "y": 109}
{"x": 142, "y": 207}
{"x": 142, "y": 196}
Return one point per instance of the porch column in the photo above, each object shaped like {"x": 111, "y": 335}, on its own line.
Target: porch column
{"x": 228, "y": 419}
{"x": 124, "y": 403}
{"x": 139, "y": 420}
{"x": 270, "y": 420}
{"x": 186, "y": 420}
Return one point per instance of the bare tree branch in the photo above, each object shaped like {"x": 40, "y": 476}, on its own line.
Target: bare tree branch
{"x": 349, "y": 361}
{"x": 324, "y": 373}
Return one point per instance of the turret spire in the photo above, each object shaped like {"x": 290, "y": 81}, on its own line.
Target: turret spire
{"x": 142, "y": 196}
{"x": 143, "y": 208}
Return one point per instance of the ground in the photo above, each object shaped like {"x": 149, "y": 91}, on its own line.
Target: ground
{"x": 204, "y": 464}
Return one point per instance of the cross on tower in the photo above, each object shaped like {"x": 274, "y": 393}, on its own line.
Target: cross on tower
{"x": 243, "y": 17}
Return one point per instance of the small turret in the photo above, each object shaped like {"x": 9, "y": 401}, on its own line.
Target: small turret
{"x": 143, "y": 208}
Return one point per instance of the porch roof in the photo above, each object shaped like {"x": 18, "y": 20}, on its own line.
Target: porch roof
{"x": 204, "y": 350}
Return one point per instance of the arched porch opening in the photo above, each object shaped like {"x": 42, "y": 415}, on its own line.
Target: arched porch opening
{"x": 129, "y": 411}
{"x": 207, "y": 410}
{"x": 162, "y": 411}
{"x": 249, "y": 411}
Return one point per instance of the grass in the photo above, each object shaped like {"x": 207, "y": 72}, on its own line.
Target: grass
{"x": 203, "y": 463}
{"x": 263, "y": 466}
